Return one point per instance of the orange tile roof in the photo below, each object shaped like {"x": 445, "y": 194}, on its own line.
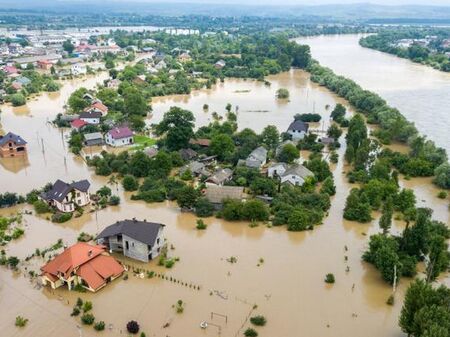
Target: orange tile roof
{"x": 100, "y": 106}
{"x": 89, "y": 263}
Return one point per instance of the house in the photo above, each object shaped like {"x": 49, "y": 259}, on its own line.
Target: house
{"x": 16, "y": 85}
{"x": 151, "y": 151}
{"x": 78, "y": 69}
{"x": 256, "y": 158}
{"x": 10, "y": 70}
{"x": 66, "y": 197}
{"x": 12, "y": 145}
{"x": 113, "y": 84}
{"x": 161, "y": 65}
{"x": 327, "y": 140}
{"x": 187, "y": 154}
{"x": 220, "y": 64}
{"x": 184, "y": 57}
{"x": 197, "y": 169}
{"x": 202, "y": 142}
{"x": 218, "y": 194}
{"x": 119, "y": 136}
{"x": 23, "y": 80}
{"x": 85, "y": 265}
{"x": 276, "y": 170}
{"x": 93, "y": 139}
{"x": 220, "y": 177}
{"x": 44, "y": 64}
{"x": 77, "y": 124}
{"x": 99, "y": 107}
{"x": 298, "y": 129}
{"x": 296, "y": 175}
{"x": 140, "y": 240}
{"x": 91, "y": 117}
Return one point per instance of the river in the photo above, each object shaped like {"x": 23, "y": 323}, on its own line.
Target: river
{"x": 288, "y": 287}
{"x": 420, "y": 92}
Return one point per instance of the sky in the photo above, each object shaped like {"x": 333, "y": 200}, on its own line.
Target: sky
{"x": 307, "y": 2}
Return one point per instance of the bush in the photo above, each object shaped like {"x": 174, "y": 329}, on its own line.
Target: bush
{"x": 282, "y": 93}
{"x": 442, "y": 195}
{"x": 130, "y": 183}
{"x": 99, "y": 326}
{"x": 258, "y": 320}
{"x": 21, "y": 321}
{"x": 114, "y": 200}
{"x": 41, "y": 207}
{"x": 250, "y": 333}
{"x": 133, "y": 327}
{"x": 201, "y": 224}
{"x": 203, "y": 207}
{"x": 87, "y": 319}
{"x": 87, "y": 306}
{"x": 18, "y": 99}
{"x": 329, "y": 278}
{"x": 61, "y": 217}
{"x": 75, "y": 311}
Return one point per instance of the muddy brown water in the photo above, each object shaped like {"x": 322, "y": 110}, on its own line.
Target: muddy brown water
{"x": 288, "y": 287}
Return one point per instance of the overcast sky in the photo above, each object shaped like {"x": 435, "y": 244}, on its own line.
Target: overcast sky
{"x": 309, "y": 2}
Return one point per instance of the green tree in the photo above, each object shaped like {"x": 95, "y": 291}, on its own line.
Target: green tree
{"x": 270, "y": 137}
{"x": 177, "y": 125}
{"x": 288, "y": 154}
{"x": 68, "y": 46}
{"x": 386, "y": 217}
{"x": 222, "y": 146}
{"x": 187, "y": 197}
{"x": 328, "y": 186}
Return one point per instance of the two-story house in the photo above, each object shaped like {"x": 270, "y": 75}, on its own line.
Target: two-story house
{"x": 12, "y": 145}
{"x": 66, "y": 197}
{"x": 140, "y": 240}
{"x": 298, "y": 129}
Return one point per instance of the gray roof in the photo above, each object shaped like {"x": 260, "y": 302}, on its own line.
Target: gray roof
{"x": 258, "y": 154}
{"x": 220, "y": 176}
{"x": 60, "y": 189}
{"x": 298, "y": 125}
{"x": 217, "y": 194}
{"x": 142, "y": 231}
{"x": 93, "y": 136}
{"x": 91, "y": 114}
{"x": 187, "y": 154}
{"x": 298, "y": 170}
{"x": 11, "y": 137}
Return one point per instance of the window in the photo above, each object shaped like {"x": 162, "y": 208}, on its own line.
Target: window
{"x": 157, "y": 240}
{"x": 127, "y": 245}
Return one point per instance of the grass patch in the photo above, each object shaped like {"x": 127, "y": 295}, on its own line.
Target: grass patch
{"x": 141, "y": 142}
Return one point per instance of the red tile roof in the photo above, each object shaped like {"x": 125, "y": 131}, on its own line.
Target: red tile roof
{"x": 78, "y": 123}
{"x": 87, "y": 261}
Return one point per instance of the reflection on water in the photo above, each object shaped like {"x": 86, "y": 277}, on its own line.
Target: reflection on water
{"x": 288, "y": 286}
{"x": 420, "y": 92}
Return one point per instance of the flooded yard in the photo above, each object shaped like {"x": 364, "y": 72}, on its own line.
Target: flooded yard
{"x": 278, "y": 274}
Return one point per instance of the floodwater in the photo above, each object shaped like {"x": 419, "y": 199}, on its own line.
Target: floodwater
{"x": 287, "y": 287}
{"x": 421, "y": 93}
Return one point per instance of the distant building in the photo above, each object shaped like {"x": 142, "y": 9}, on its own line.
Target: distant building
{"x": 220, "y": 64}
{"x": 220, "y": 177}
{"x": 256, "y": 158}
{"x": 98, "y": 107}
{"x": 66, "y": 197}
{"x": 91, "y": 116}
{"x": 119, "y": 136}
{"x": 218, "y": 194}
{"x": 78, "y": 69}
{"x": 140, "y": 240}
{"x": 298, "y": 129}
{"x": 12, "y": 145}
{"x": 276, "y": 170}
{"x": 203, "y": 142}
{"x": 44, "y": 64}
{"x": 93, "y": 139}
{"x": 187, "y": 154}
{"x": 296, "y": 175}
{"x": 82, "y": 264}
{"x": 77, "y": 124}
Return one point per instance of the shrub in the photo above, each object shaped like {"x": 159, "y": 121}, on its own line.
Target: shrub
{"x": 180, "y": 307}
{"x": 130, "y": 183}
{"x": 87, "y": 306}
{"x": 41, "y": 207}
{"x": 105, "y": 191}
{"x": 442, "y": 195}
{"x": 282, "y": 93}
{"x": 75, "y": 311}
{"x": 203, "y": 207}
{"x": 133, "y": 327}
{"x": 329, "y": 278}
{"x": 99, "y": 326}
{"x": 87, "y": 319}
{"x": 18, "y": 99}
{"x": 250, "y": 333}
{"x": 201, "y": 224}
{"x": 258, "y": 320}
{"x": 114, "y": 200}
{"x": 61, "y": 217}
{"x": 21, "y": 321}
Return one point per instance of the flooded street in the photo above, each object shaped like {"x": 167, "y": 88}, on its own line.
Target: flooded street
{"x": 421, "y": 93}
{"x": 288, "y": 287}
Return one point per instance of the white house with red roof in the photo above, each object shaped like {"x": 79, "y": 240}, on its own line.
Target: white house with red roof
{"x": 119, "y": 136}
{"x": 89, "y": 266}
